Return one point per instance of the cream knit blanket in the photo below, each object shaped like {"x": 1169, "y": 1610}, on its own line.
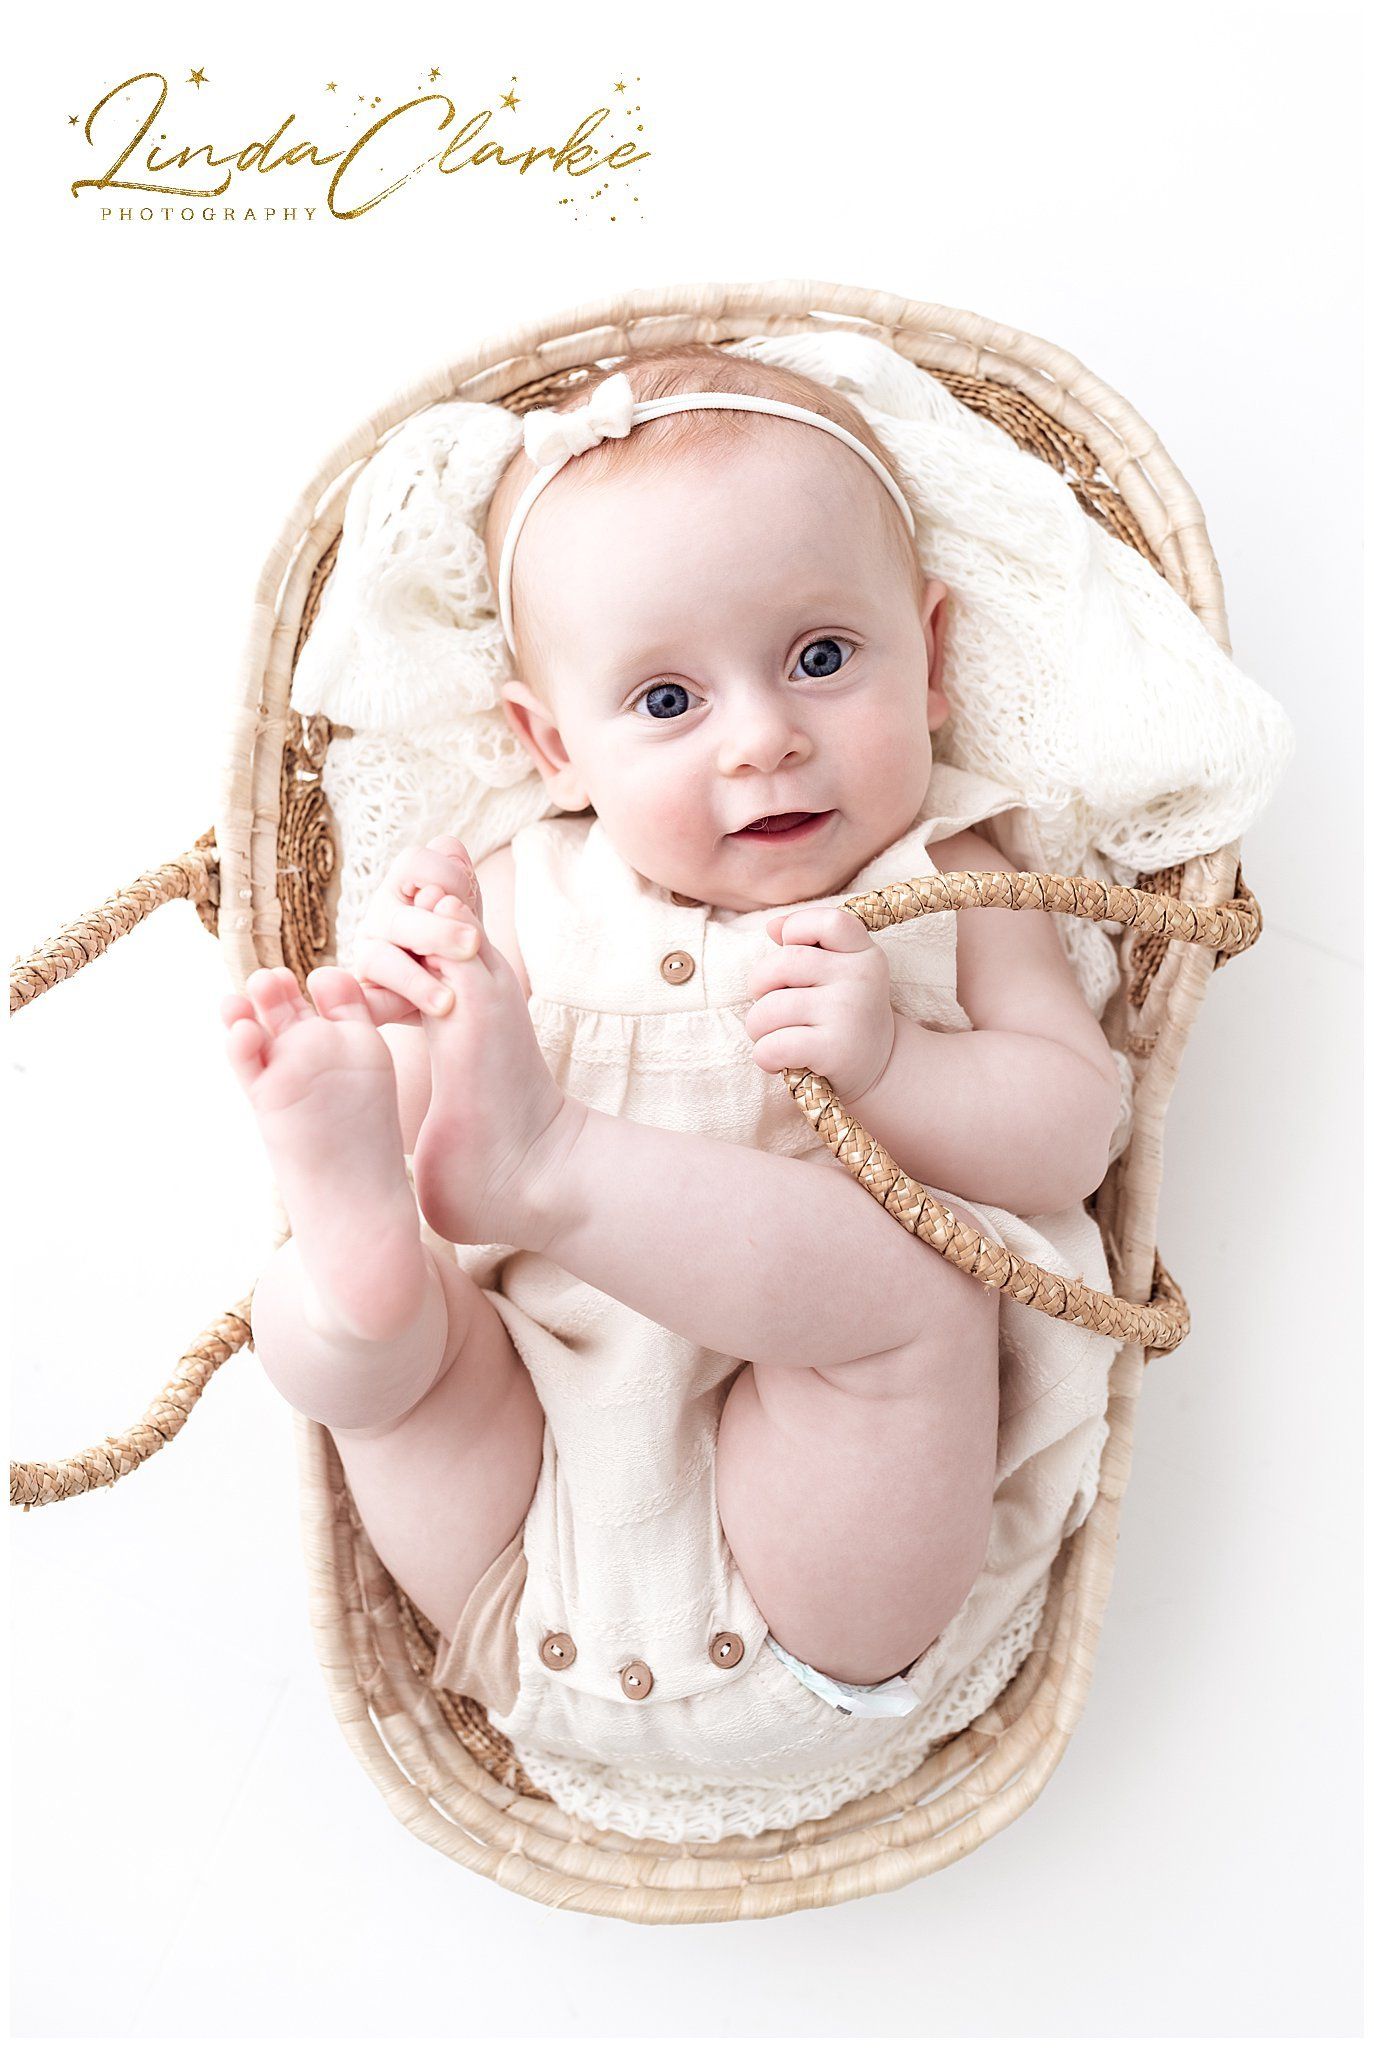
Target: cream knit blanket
{"x": 1075, "y": 674}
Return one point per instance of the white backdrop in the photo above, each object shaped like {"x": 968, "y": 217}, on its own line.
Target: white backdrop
{"x": 1170, "y": 193}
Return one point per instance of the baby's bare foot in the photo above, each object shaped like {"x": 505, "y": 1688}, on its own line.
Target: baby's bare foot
{"x": 497, "y": 1124}
{"x": 323, "y": 1089}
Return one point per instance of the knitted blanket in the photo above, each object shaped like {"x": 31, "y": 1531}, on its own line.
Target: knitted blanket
{"x": 1075, "y": 674}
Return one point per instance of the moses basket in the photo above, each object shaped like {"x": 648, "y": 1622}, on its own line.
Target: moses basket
{"x": 265, "y": 880}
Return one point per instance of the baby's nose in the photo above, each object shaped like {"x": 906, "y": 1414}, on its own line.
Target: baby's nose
{"x": 764, "y": 737}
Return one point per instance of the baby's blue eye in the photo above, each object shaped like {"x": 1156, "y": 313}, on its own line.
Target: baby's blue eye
{"x": 666, "y": 700}
{"x": 818, "y": 660}
{"x": 822, "y": 658}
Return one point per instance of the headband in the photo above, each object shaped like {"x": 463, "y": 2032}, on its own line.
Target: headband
{"x": 553, "y": 438}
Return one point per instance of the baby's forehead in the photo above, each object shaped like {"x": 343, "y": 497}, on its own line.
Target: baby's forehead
{"x": 789, "y": 479}
{"x": 733, "y": 526}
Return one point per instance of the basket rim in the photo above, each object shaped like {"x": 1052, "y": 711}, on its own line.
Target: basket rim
{"x": 948, "y": 338}
{"x": 248, "y": 815}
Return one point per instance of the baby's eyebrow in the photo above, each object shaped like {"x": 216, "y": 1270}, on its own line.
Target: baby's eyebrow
{"x": 817, "y": 612}
{"x": 617, "y": 673}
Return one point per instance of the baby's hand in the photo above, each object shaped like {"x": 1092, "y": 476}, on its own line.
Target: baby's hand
{"x": 401, "y": 927}
{"x": 824, "y": 1001}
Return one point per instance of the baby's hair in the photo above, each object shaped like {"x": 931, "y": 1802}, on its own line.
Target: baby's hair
{"x": 656, "y": 444}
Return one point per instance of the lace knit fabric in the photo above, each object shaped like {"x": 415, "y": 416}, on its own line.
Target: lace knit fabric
{"x": 1075, "y": 674}
{"x": 665, "y": 1808}
{"x": 1076, "y": 677}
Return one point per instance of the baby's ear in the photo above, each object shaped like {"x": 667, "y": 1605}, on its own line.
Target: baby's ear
{"x": 530, "y": 719}
{"x": 935, "y": 617}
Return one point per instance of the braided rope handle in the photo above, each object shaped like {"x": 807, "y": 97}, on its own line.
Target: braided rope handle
{"x": 36, "y": 1482}
{"x": 33, "y": 1483}
{"x": 1160, "y": 1324}
{"x": 1223, "y": 927}
{"x": 194, "y": 874}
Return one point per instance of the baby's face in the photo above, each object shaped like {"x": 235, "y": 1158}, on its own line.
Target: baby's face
{"x": 733, "y": 636}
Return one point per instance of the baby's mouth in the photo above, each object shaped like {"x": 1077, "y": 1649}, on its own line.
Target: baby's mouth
{"x": 783, "y": 825}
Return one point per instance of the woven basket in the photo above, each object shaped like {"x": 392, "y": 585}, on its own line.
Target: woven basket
{"x": 266, "y": 880}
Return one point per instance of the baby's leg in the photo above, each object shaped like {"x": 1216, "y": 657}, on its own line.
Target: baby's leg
{"x": 442, "y": 1486}
{"x": 856, "y": 1458}
{"x": 857, "y": 1498}
{"x": 857, "y": 1450}
{"x": 357, "y": 1323}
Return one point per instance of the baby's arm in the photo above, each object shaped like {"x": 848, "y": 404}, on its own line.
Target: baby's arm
{"x": 736, "y": 1249}
{"x": 1019, "y": 1112}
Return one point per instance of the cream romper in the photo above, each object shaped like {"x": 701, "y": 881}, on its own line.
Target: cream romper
{"x": 614, "y": 1641}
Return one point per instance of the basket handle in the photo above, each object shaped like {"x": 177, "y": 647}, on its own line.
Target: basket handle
{"x": 38, "y": 1481}
{"x": 1222, "y": 927}
{"x": 33, "y": 1483}
{"x": 1160, "y": 1324}
{"x": 194, "y": 874}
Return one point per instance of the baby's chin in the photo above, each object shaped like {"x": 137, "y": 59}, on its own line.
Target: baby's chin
{"x": 779, "y": 877}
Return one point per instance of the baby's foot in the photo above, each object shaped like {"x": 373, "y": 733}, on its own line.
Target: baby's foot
{"x": 323, "y": 1090}
{"x": 497, "y": 1124}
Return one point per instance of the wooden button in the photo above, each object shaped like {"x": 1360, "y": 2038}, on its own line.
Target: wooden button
{"x": 687, "y": 902}
{"x": 677, "y": 967}
{"x": 726, "y": 1649}
{"x": 636, "y": 1680}
{"x": 558, "y": 1652}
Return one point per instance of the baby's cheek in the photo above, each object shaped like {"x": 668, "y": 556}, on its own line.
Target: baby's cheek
{"x": 672, "y": 815}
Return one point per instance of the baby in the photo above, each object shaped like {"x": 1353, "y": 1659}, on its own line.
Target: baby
{"x": 726, "y": 646}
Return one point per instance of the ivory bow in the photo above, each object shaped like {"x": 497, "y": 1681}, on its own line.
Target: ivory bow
{"x": 553, "y": 436}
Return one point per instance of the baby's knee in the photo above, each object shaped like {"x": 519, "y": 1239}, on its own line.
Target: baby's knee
{"x": 343, "y": 1381}
{"x": 948, "y": 1343}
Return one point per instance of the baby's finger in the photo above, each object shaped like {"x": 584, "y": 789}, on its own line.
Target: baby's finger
{"x": 419, "y": 931}
{"x": 838, "y": 931}
{"x": 781, "y": 1049}
{"x": 779, "y": 1008}
{"x": 388, "y": 967}
{"x": 798, "y": 967}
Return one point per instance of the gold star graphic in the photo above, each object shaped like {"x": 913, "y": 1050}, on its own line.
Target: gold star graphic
{"x": 435, "y": 73}
{"x": 333, "y": 85}
{"x": 73, "y": 120}
{"x": 509, "y": 100}
{"x": 620, "y": 85}
{"x": 198, "y": 79}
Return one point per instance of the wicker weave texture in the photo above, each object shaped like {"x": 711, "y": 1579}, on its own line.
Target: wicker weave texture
{"x": 265, "y": 883}
{"x": 444, "y": 1790}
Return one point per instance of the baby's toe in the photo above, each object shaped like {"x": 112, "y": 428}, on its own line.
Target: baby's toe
{"x": 276, "y": 998}
{"x": 245, "y": 1044}
{"x": 337, "y": 996}
{"x": 468, "y": 938}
